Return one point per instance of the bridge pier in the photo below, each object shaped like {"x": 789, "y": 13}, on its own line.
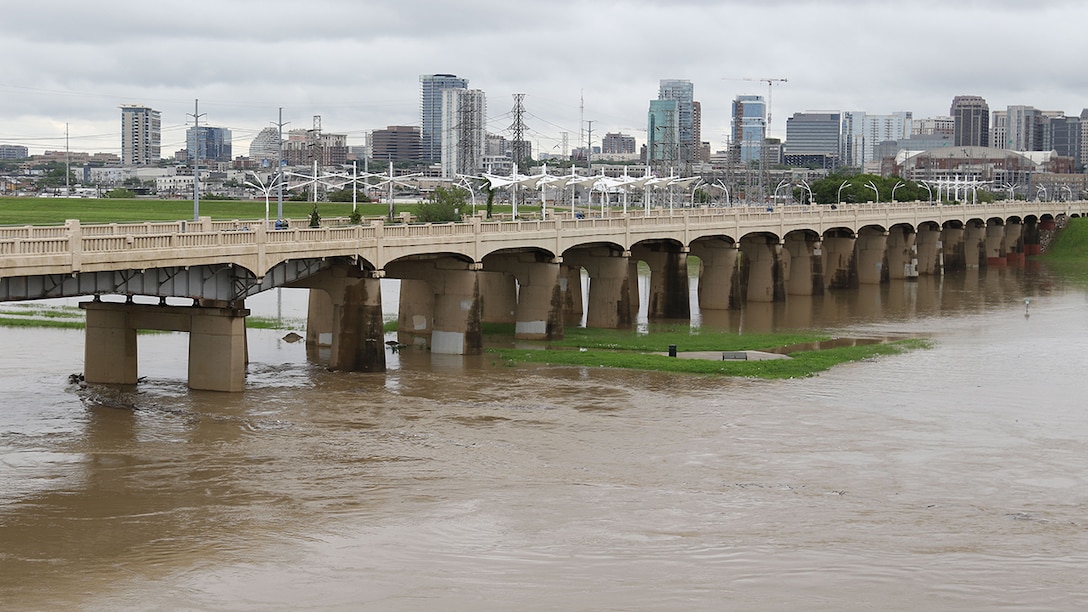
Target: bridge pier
{"x": 217, "y": 342}
{"x": 763, "y": 263}
{"x": 995, "y": 245}
{"x": 804, "y": 270}
{"x": 415, "y": 313}
{"x": 538, "y": 312}
{"x": 346, "y": 306}
{"x": 1014, "y": 242}
{"x": 954, "y": 248}
{"x": 974, "y": 245}
{"x": 570, "y": 291}
{"x": 610, "y": 304}
{"x": 871, "y": 248}
{"x": 840, "y": 271}
{"x": 927, "y": 245}
{"x": 457, "y": 312}
{"x": 902, "y": 256}
{"x": 717, "y": 274}
{"x": 668, "y": 264}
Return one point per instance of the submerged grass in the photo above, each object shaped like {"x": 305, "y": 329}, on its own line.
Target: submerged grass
{"x": 801, "y": 364}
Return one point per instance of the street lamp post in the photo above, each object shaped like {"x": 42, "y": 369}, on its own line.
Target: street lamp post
{"x": 838, "y": 196}
{"x": 898, "y": 184}
{"x": 870, "y": 185}
{"x": 782, "y": 184}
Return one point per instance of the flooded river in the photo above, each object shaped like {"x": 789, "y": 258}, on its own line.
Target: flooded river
{"x": 952, "y": 478}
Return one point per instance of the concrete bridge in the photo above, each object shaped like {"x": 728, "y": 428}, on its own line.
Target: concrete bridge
{"x": 456, "y": 276}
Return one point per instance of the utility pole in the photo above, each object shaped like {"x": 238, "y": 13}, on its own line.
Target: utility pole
{"x": 196, "y": 160}
{"x": 589, "y": 146}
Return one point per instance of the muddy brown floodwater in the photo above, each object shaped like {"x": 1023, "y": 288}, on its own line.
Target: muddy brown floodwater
{"x": 952, "y": 478}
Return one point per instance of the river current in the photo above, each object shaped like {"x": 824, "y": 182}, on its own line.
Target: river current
{"x": 952, "y": 478}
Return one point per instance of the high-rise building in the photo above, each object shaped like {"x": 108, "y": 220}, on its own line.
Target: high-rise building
{"x": 464, "y": 131}
{"x": 863, "y": 134}
{"x": 971, "y": 115}
{"x": 396, "y": 143}
{"x": 749, "y": 126}
{"x": 206, "y": 144}
{"x": 430, "y": 109}
{"x": 1063, "y": 136}
{"x": 683, "y": 92}
{"x": 141, "y": 135}
{"x": 265, "y": 148}
{"x": 1025, "y": 128}
{"x": 813, "y": 139}
{"x": 663, "y": 133}
{"x": 617, "y": 144}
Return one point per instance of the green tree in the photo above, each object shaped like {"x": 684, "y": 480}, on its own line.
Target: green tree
{"x": 445, "y": 205}
{"x": 345, "y": 195}
{"x": 123, "y": 194}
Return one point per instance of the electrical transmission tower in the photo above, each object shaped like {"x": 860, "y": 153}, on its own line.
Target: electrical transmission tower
{"x": 519, "y": 150}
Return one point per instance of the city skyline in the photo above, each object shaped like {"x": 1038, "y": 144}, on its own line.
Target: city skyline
{"x": 593, "y": 64}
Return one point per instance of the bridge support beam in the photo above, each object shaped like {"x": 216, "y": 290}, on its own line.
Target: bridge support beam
{"x": 840, "y": 271}
{"x": 954, "y": 247}
{"x": 454, "y": 287}
{"x": 610, "y": 305}
{"x": 871, "y": 249}
{"x": 217, "y": 342}
{"x": 345, "y": 313}
{"x": 669, "y": 297}
{"x": 717, "y": 274}
{"x": 539, "y": 308}
{"x": 927, "y": 245}
{"x": 763, "y": 260}
{"x": 804, "y": 272}
{"x": 1014, "y": 242}
{"x": 974, "y": 244}
{"x": 902, "y": 256}
{"x": 570, "y": 290}
{"x": 995, "y": 245}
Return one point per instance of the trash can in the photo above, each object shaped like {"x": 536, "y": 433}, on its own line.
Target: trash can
{"x": 672, "y": 350}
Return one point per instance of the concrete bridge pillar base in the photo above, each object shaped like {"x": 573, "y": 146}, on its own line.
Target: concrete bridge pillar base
{"x": 415, "y": 314}
{"x": 345, "y": 313}
{"x": 901, "y": 254}
{"x": 804, "y": 272}
{"x": 763, "y": 260}
{"x": 840, "y": 271}
{"x": 927, "y": 244}
{"x": 217, "y": 342}
{"x": 570, "y": 290}
{"x": 954, "y": 248}
{"x": 539, "y": 308}
{"x": 995, "y": 245}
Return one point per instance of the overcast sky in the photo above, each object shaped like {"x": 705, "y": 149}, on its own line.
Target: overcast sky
{"x": 357, "y": 63}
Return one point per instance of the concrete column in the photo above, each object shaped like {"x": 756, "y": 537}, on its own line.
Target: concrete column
{"x": 217, "y": 342}
{"x": 109, "y": 348}
{"x": 609, "y": 287}
{"x": 570, "y": 288}
{"x": 457, "y": 313}
{"x": 995, "y": 245}
{"x": 217, "y": 351}
{"x": 902, "y": 258}
{"x": 871, "y": 248}
{"x": 928, "y": 244}
{"x": 668, "y": 280}
{"x": 319, "y": 319}
{"x": 717, "y": 274}
{"x": 1031, "y": 238}
{"x": 953, "y": 248}
{"x": 974, "y": 236}
{"x": 539, "y": 308}
{"x": 416, "y": 312}
{"x": 805, "y": 269}
{"x": 346, "y": 315}
{"x": 840, "y": 271}
{"x": 762, "y": 255}
{"x": 498, "y": 297}
{"x": 1014, "y": 243}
